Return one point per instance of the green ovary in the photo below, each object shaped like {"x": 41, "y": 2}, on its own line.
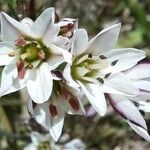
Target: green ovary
{"x": 32, "y": 53}
{"x": 83, "y": 69}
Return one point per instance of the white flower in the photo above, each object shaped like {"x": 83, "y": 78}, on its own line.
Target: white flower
{"x": 124, "y": 105}
{"x": 97, "y": 66}
{"x": 29, "y": 50}
{"x": 51, "y": 113}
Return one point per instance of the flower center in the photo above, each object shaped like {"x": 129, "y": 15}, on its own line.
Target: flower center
{"x": 29, "y": 53}
{"x": 88, "y": 68}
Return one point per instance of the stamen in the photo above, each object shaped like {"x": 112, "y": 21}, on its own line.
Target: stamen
{"x": 53, "y": 110}
{"x": 136, "y": 104}
{"x": 74, "y": 104}
{"x": 41, "y": 54}
{"x": 11, "y": 54}
{"x": 64, "y": 94}
{"x": 21, "y": 68}
{"x": 100, "y": 80}
{"x": 19, "y": 42}
{"x": 107, "y": 75}
{"x": 114, "y": 62}
{"x": 142, "y": 112}
{"x": 30, "y": 66}
{"x": 102, "y": 57}
{"x": 25, "y": 55}
{"x": 90, "y": 55}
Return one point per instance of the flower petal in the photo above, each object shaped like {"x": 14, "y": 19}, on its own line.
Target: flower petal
{"x": 5, "y": 59}
{"x": 54, "y": 124}
{"x": 61, "y": 41}
{"x": 95, "y": 96}
{"x": 127, "y": 110}
{"x": 105, "y": 40}
{"x": 40, "y": 83}
{"x": 59, "y": 56}
{"x": 68, "y": 77}
{"x": 145, "y": 106}
{"x": 10, "y": 81}
{"x": 50, "y": 34}
{"x": 42, "y": 114}
{"x": 12, "y": 29}
{"x": 8, "y": 31}
{"x": 142, "y": 132}
{"x": 122, "y": 84}
{"x": 56, "y": 130}
{"x": 80, "y": 41}
{"x": 126, "y": 58}
{"x": 140, "y": 71}
{"x": 143, "y": 86}
{"x": 42, "y": 23}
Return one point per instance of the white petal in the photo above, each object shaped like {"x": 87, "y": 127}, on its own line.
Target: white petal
{"x": 80, "y": 41}
{"x": 50, "y": 34}
{"x": 127, "y": 58}
{"x": 10, "y": 81}
{"x": 145, "y": 106}
{"x": 56, "y": 130}
{"x": 142, "y": 85}
{"x": 121, "y": 83}
{"x": 8, "y": 31}
{"x": 105, "y": 40}
{"x": 140, "y": 71}
{"x": 12, "y": 29}
{"x": 95, "y": 96}
{"x": 59, "y": 56}
{"x": 66, "y": 21}
{"x": 27, "y": 21}
{"x": 42, "y": 23}
{"x": 142, "y": 132}
{"x": 42, "y": 114}
{"x": 5, "y": 59}
{"x": 78, "y": 96}
{"x": 60, "y": 41}
{"x": 40, "y": 83}
{"x": 126, "y": 109}
{"x": 81, "y": 108}
{"x": 68, "y": 77}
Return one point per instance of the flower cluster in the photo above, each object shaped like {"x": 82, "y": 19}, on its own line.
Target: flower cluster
{"x": 61, "y": 67}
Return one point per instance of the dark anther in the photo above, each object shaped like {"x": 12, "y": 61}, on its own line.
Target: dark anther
{"x": 136, "y": 104}
{"x": 107, "y": 75}
{"x": 100, "y": 80}
{"x": 142, "y": 112}
{"x": 114, "y": 62}
{"x": 90, "y": 55}
{"x": 102, "y": 57}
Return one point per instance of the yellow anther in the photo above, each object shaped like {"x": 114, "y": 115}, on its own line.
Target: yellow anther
{"x": 30, "y": 66}
{"x": 25, "y": 55}
{"x": 11, "y": 54}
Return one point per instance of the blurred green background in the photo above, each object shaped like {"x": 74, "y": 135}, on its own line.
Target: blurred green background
{"x": 107, "y": 133}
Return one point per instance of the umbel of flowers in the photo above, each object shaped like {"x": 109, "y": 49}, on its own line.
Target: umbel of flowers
{"x": 59, "y": 66}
